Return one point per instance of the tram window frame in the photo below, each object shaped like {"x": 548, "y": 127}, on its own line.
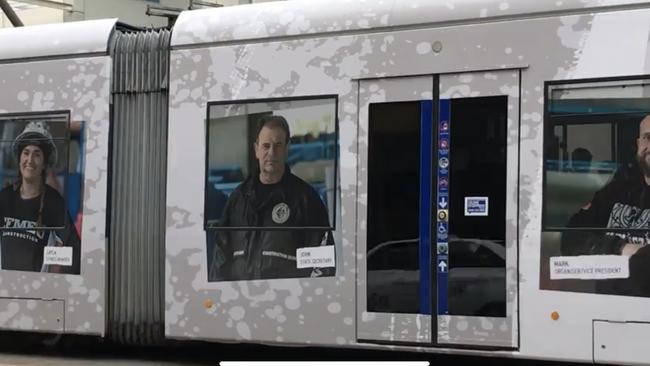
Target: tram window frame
{"x": 62, "y": 142}
{"x": 332, "y": 215}
{"x": 615, "y": 119}
{"x": 314, "y": 128}
{"x": 66, "y": 259}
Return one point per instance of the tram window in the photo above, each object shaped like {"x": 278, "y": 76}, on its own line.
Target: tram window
{"x": 37, "y": 231}
{"x": 596, "y": 195}
{"x": 270, "y": 184}
{"x": 393, "y": 207}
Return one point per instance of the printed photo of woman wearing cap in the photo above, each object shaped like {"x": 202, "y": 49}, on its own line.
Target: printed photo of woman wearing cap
{"x": 36, "y": 232}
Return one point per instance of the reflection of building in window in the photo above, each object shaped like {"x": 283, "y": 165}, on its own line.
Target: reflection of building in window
{"x": 32, "y": 212}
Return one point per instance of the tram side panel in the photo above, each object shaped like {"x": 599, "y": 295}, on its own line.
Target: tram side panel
{"x": 322, "y": 310}
{"x": 300, "y": 68}
{"x": 232, "y": 76}
{"x": 55, "y": 282}
{"x": 244, "y": 310}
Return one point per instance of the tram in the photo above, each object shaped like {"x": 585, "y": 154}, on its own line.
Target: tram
{"x": 482, "y": 166}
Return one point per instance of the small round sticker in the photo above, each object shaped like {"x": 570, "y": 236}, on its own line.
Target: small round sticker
{"x": 280, "y": 213}
{"x": 443, "y": 163}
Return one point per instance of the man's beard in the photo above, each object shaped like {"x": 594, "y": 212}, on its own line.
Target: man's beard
{"x": 643, "y": 164}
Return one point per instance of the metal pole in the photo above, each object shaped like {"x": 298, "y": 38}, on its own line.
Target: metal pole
{"x": 198, "y": 4}
{"x": 13, "y": 18}
{"x": 49, "y": 4}
{"x": 168, "y": 12}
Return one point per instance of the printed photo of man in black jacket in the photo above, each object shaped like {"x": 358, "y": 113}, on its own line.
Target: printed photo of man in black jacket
{"x": 286, "y": 211}
{"x": 624, "y": 203}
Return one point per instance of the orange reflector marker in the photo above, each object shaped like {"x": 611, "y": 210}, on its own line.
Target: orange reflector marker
{"x": 555, "y": 315}
{"x": 208, "y": 303}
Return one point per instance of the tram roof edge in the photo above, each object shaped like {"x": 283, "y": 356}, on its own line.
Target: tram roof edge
{"x": 311, "y": 17}
{"x": 53, "y": 40}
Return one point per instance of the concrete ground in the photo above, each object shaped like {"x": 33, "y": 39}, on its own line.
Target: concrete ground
{"x": 27, "y": 350}
{"x": 8, "y": 359}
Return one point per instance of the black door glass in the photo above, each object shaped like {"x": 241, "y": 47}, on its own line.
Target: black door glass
{"x": 477, "y": 282}
{"x": 393, "y": 207}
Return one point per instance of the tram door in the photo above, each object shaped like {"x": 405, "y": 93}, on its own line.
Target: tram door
{"x": 437, "y": 210}
{"x": 393, "y": 212}
{"x": 475, "y": 200}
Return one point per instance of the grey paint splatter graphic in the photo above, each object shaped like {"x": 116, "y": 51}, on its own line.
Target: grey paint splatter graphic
{"x": 312, "y": 67}
{"x": 342, "y": 64}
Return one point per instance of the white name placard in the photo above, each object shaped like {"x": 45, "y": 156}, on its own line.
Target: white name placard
{"x": 61, "y": 256}
{"x": 589, "y": 267}
{"x": 318, "y": 257}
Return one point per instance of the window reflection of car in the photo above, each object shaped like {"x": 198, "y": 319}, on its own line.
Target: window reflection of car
{"x": 476, "y": 279}
{"x": 393, "y": 277}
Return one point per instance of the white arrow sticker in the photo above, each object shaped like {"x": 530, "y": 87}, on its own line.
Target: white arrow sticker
{"x": 443, "y": 202}
{"x": 442, "y": 266}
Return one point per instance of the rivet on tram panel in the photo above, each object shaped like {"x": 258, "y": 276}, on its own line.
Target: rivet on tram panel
{"x": 555, "y": 315}
{"x": 208, "y": 303}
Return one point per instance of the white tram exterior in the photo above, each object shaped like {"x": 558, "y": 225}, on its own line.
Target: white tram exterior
{"x": 453, "y": 145}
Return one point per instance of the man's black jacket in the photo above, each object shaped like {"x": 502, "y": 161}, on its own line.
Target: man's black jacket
{"x": 247, "y": 254}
